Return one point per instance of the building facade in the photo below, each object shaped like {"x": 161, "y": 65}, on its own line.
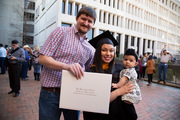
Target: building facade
{"x": 11, "y": 21}
{"x": 28, "y": 26}
{"x": 145, "y": 25}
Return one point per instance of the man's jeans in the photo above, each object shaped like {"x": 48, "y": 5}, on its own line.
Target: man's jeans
{"x": 2, "y": 65}
{"x": 49, "y": 107}
{"x": 163, "y": 68}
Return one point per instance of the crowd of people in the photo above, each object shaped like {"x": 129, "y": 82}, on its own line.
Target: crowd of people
{"x": 17, "y": 62}
{"x": 67, "y": 48}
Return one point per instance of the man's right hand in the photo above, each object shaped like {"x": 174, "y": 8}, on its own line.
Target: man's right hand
{"x": 76, "y": 69}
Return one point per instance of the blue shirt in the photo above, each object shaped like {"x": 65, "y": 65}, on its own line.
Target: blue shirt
{"x": 2, "y": 52}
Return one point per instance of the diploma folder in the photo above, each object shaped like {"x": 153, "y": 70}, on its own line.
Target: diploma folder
{"x": 90, "y": 93}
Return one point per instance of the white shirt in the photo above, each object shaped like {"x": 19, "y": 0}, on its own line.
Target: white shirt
{"x": 2, "y": 52}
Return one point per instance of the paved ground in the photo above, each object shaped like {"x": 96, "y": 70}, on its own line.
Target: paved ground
{"x": 159, "y": 102}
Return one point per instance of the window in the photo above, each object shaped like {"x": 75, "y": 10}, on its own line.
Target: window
{"x": 132, "y": 41}
{"x": 28, "y": 39}
{"x": 66, "y": 25}
{"x": 101, "y": 31}
{"x": 104, "y": 17}
{"x": 118, "y": 38}
{"x": 27, "y": 28}
{"x": 149, "y": 43}
{"x": 70, "y": 9}
{"x": 29, "y": 5}
{"x": 126, "y": 43}
{"x": 28, "y": 16}
{"x": 76, "y": 10}
{"x": 138, "y": 41}
{"x": 90, "y": 34}
{"x": 63, "y": 7}
{"x": 109, "y": 18}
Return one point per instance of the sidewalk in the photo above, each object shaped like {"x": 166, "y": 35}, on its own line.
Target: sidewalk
{"x": 159, "y": 102}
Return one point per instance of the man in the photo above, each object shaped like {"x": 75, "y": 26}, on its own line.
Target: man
{"x": 2, "y": 58}
{"x": 66, "y": 48}
{"x": 16, "y": 56}
{"x": 163, "y": 65}
{"x": 25, "y": 63}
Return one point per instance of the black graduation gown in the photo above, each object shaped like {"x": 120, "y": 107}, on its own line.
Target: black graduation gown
{"x": 118, "y": 110}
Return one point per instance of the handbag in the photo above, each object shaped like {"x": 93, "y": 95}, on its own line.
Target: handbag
{"x": 154, "y": 71}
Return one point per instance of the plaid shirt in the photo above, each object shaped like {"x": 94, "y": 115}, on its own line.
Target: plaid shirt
{"x": 65, "y": 45}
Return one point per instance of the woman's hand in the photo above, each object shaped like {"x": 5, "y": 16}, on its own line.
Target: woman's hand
{"x": 127, "y": 102}
{"x": 127, "y": 88}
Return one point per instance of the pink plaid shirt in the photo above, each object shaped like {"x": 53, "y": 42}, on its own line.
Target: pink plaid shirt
{"x": 64, "y": 45}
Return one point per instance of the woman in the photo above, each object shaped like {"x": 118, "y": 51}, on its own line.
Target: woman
{"x": 36, "y": 65}
{"x": 104, "y": 63}
{"x": 144, "y": 62}
{"x": 150, "y": 69}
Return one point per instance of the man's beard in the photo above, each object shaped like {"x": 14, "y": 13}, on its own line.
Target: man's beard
{"x": 82, "y": 32}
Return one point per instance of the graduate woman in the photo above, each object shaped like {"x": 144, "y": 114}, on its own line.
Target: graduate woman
{"x": 104, "y": 63}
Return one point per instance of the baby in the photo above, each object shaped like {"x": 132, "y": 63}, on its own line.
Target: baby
{"x": 129, "y": 74}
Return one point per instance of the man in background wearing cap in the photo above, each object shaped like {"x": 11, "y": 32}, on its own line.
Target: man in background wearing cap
{"x": 16, "y": 56}
{"x": 66, "y": 48}
{"x": 25, "y": 63}
{"x": 2, "y": 58}
{"x": 163, "y": 65}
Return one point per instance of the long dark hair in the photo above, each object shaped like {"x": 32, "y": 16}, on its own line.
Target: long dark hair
{"x": 98, "y": 61}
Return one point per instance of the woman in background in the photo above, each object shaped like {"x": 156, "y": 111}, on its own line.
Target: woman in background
{"x": 150, "y": 69}
{"x": 36, "y": 65}
{"x": 144, "y": 62}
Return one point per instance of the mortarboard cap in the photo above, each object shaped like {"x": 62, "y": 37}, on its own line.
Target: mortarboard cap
{"x": 104, "y": 38}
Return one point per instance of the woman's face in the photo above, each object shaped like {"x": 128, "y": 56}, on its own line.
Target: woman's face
{"x": 107, "y": 53}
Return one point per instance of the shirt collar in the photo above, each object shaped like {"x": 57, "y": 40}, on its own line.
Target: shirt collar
{"x": 77, "y": 33}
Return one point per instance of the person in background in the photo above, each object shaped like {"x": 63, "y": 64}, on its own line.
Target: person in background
{"x": 66, "y": 48}
{"x": 25, "y": 63}
{"x": 3, "y": 55}
{"x": 7, "y": 49}
{"x": 144, "y": 62}
{"x": 16, "y": 56}
{"x": 36, "y": 65}
{"x": 150, "y": 69}
{"x": 163, "y": 65}
{"x": 30, "y": 60}
{"x": 104, "y": 63}
{"x": 140, "y": 69}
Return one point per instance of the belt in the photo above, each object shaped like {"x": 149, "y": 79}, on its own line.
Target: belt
{"x": 51, "y": 89}
{"x": 163, "y": 62}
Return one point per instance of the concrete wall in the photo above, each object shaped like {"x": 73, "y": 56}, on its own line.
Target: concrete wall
{"x": 11, "y": 20}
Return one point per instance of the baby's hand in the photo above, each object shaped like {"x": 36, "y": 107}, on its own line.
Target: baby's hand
{"x": 114, "y": 85}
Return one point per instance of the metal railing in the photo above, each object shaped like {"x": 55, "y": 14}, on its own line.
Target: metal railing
{"x": 173, "y": 72}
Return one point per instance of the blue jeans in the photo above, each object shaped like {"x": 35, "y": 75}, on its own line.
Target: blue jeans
{"x": 49, "y": 107}
{"x": 37, "y": 67}
{"x": 163, "y": 68}
{"x": 2, "y": 65}
{"x": 24, "y": 70}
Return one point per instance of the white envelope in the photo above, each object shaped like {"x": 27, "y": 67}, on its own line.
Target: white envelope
{"x": 91, "y": 93}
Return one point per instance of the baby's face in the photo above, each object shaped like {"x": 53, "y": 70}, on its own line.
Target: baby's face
{"x": 129, "y": 61}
